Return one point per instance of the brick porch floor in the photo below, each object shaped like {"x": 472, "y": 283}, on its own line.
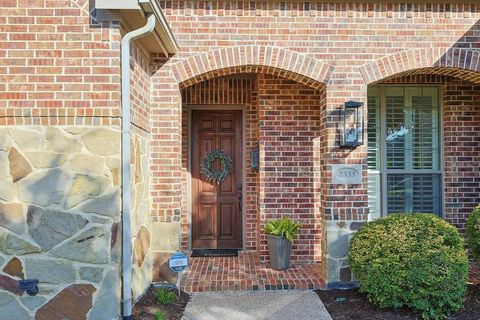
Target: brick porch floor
{"x": 246, "y": 272}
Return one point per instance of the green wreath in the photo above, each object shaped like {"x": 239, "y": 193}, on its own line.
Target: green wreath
{"x": 216, "y": 176}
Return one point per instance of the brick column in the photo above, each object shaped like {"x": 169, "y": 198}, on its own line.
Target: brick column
{"x": 166, "y": 147}
{"x": 166, "y": 166}
{"x": 345, "y": 206}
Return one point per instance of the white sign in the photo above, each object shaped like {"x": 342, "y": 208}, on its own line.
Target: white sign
{"x": 178, "y": 262}
{"x": 346, "y": 173}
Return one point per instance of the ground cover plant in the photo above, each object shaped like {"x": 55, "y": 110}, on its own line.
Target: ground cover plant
{"x": 160, "y": 315}
{"x": 148, "y": 307}
{"x": 165, "y": 296}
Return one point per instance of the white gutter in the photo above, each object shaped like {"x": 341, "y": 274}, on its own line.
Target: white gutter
{"x": 126, "y": 190}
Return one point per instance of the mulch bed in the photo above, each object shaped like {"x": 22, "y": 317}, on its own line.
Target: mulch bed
{"x": 357, "y": 306}
{"x": 147, "y": 306}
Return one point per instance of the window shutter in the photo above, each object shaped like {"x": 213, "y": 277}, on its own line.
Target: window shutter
{"x": 413, "y": 193}
{"x": 395, "y": 129}
{"x": 425, "y": 132}
{"x": 373, "y": 129}
{"x": 425, "y": 193}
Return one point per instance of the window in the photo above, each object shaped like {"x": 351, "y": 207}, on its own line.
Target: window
{"x": 404, "y": 156}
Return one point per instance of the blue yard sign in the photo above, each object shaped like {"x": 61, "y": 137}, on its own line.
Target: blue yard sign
{"x": 178, "y": 262}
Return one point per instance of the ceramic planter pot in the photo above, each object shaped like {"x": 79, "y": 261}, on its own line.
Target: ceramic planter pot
{"x": 279, "y": 249}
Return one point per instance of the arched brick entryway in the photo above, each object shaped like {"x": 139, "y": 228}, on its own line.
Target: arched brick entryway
{"x": 259, "y": 59}
{"x": 305, "y": 76}
{"x": 166, "y": 104}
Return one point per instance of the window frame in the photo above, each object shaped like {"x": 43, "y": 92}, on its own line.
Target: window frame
{"x": 381, "y": 167}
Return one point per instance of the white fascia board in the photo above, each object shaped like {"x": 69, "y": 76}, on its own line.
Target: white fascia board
{"x": 162, "y": 29}
{"x": 110, "y": 9}
{"x": 116, "y": 4}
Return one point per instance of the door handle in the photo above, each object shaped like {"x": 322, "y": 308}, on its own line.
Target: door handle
{"x": 239, "y": 195}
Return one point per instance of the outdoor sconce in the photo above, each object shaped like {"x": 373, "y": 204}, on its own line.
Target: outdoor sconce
{"x": 353, "y": 124}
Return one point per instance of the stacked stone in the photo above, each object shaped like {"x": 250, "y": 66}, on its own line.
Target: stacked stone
{"x": 59, "y": 221}
{"x": 141, "y": 219}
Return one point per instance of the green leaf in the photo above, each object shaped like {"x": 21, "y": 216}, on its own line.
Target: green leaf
{"x": 283, "y": 227}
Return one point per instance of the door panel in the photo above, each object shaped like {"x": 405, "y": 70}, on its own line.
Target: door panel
{"x": 226, "y": 226}
{"x": 207, "y": 229}
{"x": 216, "y": 211}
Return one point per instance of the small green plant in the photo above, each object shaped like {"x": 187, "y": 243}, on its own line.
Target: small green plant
{"x": 413, "y": 260}
{"x": 283, "y": 227}
{"x": 160, "y": 315}
{"x": 165, "y": 296}
{"x": 473, "y": 233}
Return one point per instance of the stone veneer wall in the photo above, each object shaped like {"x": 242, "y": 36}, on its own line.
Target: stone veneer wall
{"x": 141, "y": 218}
{"x": 60, "y": 221}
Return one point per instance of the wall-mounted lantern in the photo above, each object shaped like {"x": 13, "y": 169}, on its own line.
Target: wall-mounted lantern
{"x": 353, "y": 124}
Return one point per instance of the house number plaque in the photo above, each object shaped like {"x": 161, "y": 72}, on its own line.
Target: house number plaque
{"x": 347, "y": 174}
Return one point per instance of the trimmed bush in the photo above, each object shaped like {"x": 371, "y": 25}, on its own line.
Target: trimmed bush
{"x": 414, "y": 260}
{"x": 473, "y": 233}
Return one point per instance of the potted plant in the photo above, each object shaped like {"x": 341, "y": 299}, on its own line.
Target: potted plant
{"x": 280, "y": 234}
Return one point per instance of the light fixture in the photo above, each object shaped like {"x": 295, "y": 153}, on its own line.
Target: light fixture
{"x": 353, "y": 124}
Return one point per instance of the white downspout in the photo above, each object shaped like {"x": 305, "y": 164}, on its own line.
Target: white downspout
{"x": 126, "y": 190}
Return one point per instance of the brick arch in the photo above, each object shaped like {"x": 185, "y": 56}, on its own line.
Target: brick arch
{"x": 456, "y": 62}
{"x": 241, "y": 59}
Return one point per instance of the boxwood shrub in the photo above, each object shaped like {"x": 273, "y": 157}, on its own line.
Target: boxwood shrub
{"x": 414, "y": 260}
{"x": 473, "y": 233}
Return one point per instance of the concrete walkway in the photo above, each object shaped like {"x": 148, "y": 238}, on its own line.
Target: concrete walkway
{"x": 256, "y": 305}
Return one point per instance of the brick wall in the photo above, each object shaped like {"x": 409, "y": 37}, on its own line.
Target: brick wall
{"x": 343, "y": 33}
{"x": 57, "y": 65}
{"x": 285, "y": 120}
{"x": 140, "y": 88}
{"x": 289, "y": 125}
{"x": 365, "y": 43}
{"x": 461, "y": 120}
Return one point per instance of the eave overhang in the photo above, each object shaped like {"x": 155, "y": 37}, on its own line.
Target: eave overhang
{"x": 133, "y": 13}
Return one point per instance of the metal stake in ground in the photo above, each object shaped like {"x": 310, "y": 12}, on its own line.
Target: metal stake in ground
{"x": 177, "y": 263}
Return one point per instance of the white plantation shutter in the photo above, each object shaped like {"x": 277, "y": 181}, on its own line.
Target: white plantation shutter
{"x": 413, "y": 193}
{"x": 410, "y": 146}
{"x": 425, "y": 130}
{"x": 395, "y": 113}
{"x": 373, "y": 128}
{"x": 374, "y": 152}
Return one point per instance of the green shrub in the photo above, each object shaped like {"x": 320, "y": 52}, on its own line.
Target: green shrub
{"x": 414, "y": 260}
{"x": 473, "y": 233}
{"x": 165, "y": 296}
{"x": 160, "y": 315}
{"x": 283, "y": 227}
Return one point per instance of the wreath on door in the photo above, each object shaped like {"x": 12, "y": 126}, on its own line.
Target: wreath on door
{"x": 216, "y": 176}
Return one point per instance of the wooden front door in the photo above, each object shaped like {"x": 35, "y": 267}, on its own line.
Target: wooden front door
{"x": 216, "y": 209}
